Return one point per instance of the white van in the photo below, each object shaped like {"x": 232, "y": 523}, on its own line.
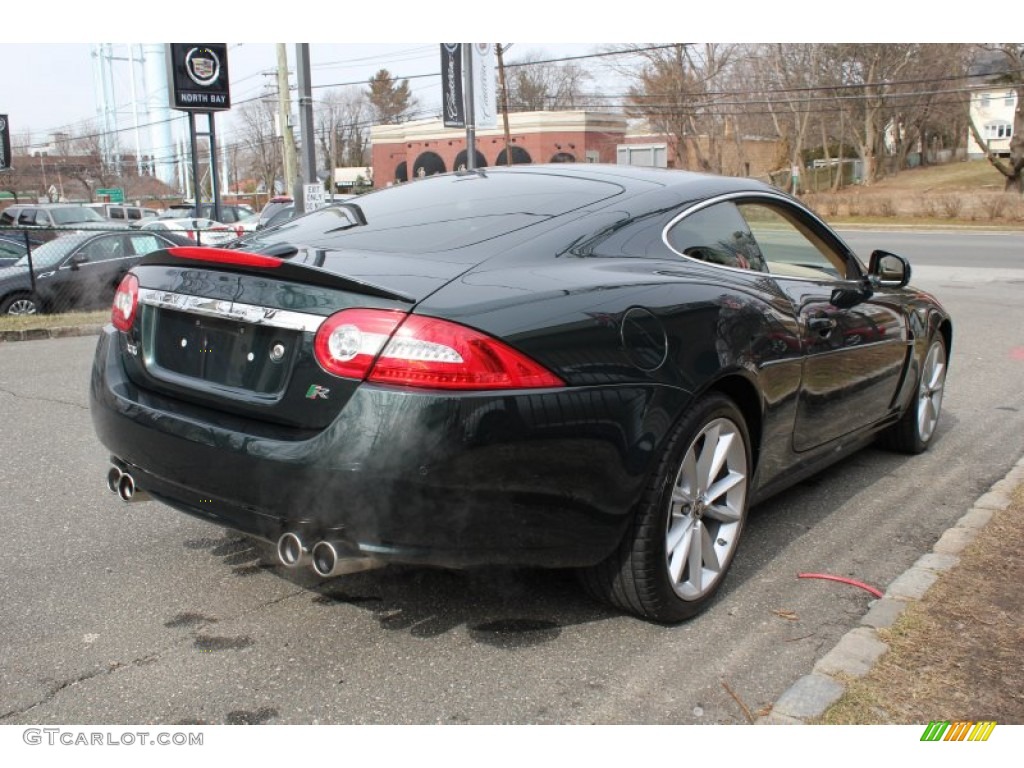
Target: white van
{"x": 129, "y": 214}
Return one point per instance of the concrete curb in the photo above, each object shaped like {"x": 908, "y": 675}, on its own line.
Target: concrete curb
{"x": 33, "y": 334}
{"x": 857, "y": 651}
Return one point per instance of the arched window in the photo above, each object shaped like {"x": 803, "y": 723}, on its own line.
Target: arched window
{"x": 460, "y": 160}
{"x": 561, "y": 157}
{"x": 428, "y": 164}
{"x": 402, "y": 172}
{"x": 519, "y": 157}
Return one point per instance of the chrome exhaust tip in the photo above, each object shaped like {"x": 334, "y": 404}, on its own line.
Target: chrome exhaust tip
{"x": 333, "y": 558}
{"x": 290, "y": 551}
{"x": 114, "y": 479}
{"x": 127, "y": 489}
{"x": 122, "y": 484}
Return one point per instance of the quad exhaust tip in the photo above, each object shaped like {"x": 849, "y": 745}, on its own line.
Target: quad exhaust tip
{"x": 332, "y": 558}
{"x": 123, "y": 485}
{"x": 290, "y": 551}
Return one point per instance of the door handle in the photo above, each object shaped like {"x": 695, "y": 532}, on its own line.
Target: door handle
{"x": 823, "y": 325}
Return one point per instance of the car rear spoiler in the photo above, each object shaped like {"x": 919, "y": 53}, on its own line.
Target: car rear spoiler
{"x": 263, "y": 265}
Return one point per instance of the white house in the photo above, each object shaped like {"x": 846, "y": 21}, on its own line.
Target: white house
{"x": 992, "y": 108}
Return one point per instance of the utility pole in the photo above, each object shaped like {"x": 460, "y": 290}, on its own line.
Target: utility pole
{"x": 504, "y": 101}
{"x": 285, "y": 116}
{"x": 304, "y": 81}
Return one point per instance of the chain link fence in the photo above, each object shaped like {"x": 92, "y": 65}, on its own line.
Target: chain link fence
{"x": 49, "y": 270}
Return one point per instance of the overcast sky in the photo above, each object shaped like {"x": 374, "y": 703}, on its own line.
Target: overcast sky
{"x": 71, "y": 98}
{"x": 48, "y": 84}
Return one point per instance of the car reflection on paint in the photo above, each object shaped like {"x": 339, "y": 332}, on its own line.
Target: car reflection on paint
{"x": 568, "y": 366}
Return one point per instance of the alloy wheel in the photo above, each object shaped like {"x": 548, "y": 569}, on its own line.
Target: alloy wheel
{"x": 22, "y": 307}
{"x": 929, "y": 391}
{"x": 706, "y": 509}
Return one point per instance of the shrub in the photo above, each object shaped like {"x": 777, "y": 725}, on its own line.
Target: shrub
{"x": 952, "y": 206}
{"x": 997, "y": 205}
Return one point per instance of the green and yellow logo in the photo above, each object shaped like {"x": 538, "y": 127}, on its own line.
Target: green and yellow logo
{"x": 960, "y": 730}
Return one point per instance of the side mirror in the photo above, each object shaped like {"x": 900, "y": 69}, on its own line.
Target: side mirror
{"x": 888, "y": 270}
{"x": 78, "y": 259}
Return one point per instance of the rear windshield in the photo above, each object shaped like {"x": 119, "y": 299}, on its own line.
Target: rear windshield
{"x": 442, "y": 212}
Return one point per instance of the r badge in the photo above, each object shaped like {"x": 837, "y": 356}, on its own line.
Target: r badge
{"x": 316, "y": 391}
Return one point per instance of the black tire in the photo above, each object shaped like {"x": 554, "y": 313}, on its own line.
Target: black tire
{"x": 653, "y": 573}
{"x": 914, "y": 431}
{"x": 20, "y": 304}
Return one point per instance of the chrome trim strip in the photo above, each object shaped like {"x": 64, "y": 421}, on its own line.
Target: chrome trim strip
{"x": 231, "y": 310}
{"x": 754, "y": 194}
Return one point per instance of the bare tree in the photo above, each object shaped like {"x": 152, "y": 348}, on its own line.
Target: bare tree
{"x": 18, "y": 176}
{"x": 535, "y": 84}
{"x": 261, "y": 145}
{"x": 864, "y": 78}
{"x": 341, "y": 128}
{"x": 1011, "y": 73}
{"x": 787, "y": 76}
{"x": 674, "y": 91}
{"x": 80, "y": 156}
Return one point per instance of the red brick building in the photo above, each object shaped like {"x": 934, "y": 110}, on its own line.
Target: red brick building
{"x": 425, "y": 147}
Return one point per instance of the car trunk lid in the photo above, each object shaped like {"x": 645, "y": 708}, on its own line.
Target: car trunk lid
{"x": 234, "y": 331}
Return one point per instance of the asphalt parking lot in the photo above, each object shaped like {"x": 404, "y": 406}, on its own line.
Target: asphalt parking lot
{"x": 137, "y": 614}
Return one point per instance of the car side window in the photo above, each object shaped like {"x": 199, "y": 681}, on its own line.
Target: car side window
{"x": 143, "y": 244}
{"x": 717, "y": 234}
{"x": 103, "y": 249}
{"x": 790, "y": 247}
{"x": 116, "y": 213}
{"x": 27, "y": 217}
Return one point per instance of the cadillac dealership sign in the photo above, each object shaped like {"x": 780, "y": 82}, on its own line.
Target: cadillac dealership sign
{"x": 198, "y": 76}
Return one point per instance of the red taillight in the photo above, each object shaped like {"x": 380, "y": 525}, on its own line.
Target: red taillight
{"x": 349, "y": 341}
{"x": 422, "y": 352}
{"x": 225, "y": 256}
{"x": 126, "y": 303}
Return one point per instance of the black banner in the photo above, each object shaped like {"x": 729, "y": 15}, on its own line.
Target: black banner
{"x": 452, "y": 103}
{"x": 5, "y": 144}
{"x": 198, "y": 76}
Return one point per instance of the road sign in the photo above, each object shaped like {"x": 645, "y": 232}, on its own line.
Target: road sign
{"x": 313, "y": 196}
{"x": 112, "y": 194}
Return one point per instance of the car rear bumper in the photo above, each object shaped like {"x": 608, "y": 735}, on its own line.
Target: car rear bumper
{"x": 540, "y": 479}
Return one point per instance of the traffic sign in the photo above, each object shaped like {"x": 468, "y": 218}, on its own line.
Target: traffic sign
{"x": 112, "y": 195}
{"x": 313, "y": 196}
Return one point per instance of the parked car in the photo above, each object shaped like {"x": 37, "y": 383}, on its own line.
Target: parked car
{"x": 273, "y": 206}
{"x": 76, "y": 271}
{"x": 281, "y": 210}
{"x": 204, "y": 231}
{"x": 232, "y": 215}
{"x": 13, "y": 247}
{"x": 47, "y": 221}
{"x": 582, "y": 366}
